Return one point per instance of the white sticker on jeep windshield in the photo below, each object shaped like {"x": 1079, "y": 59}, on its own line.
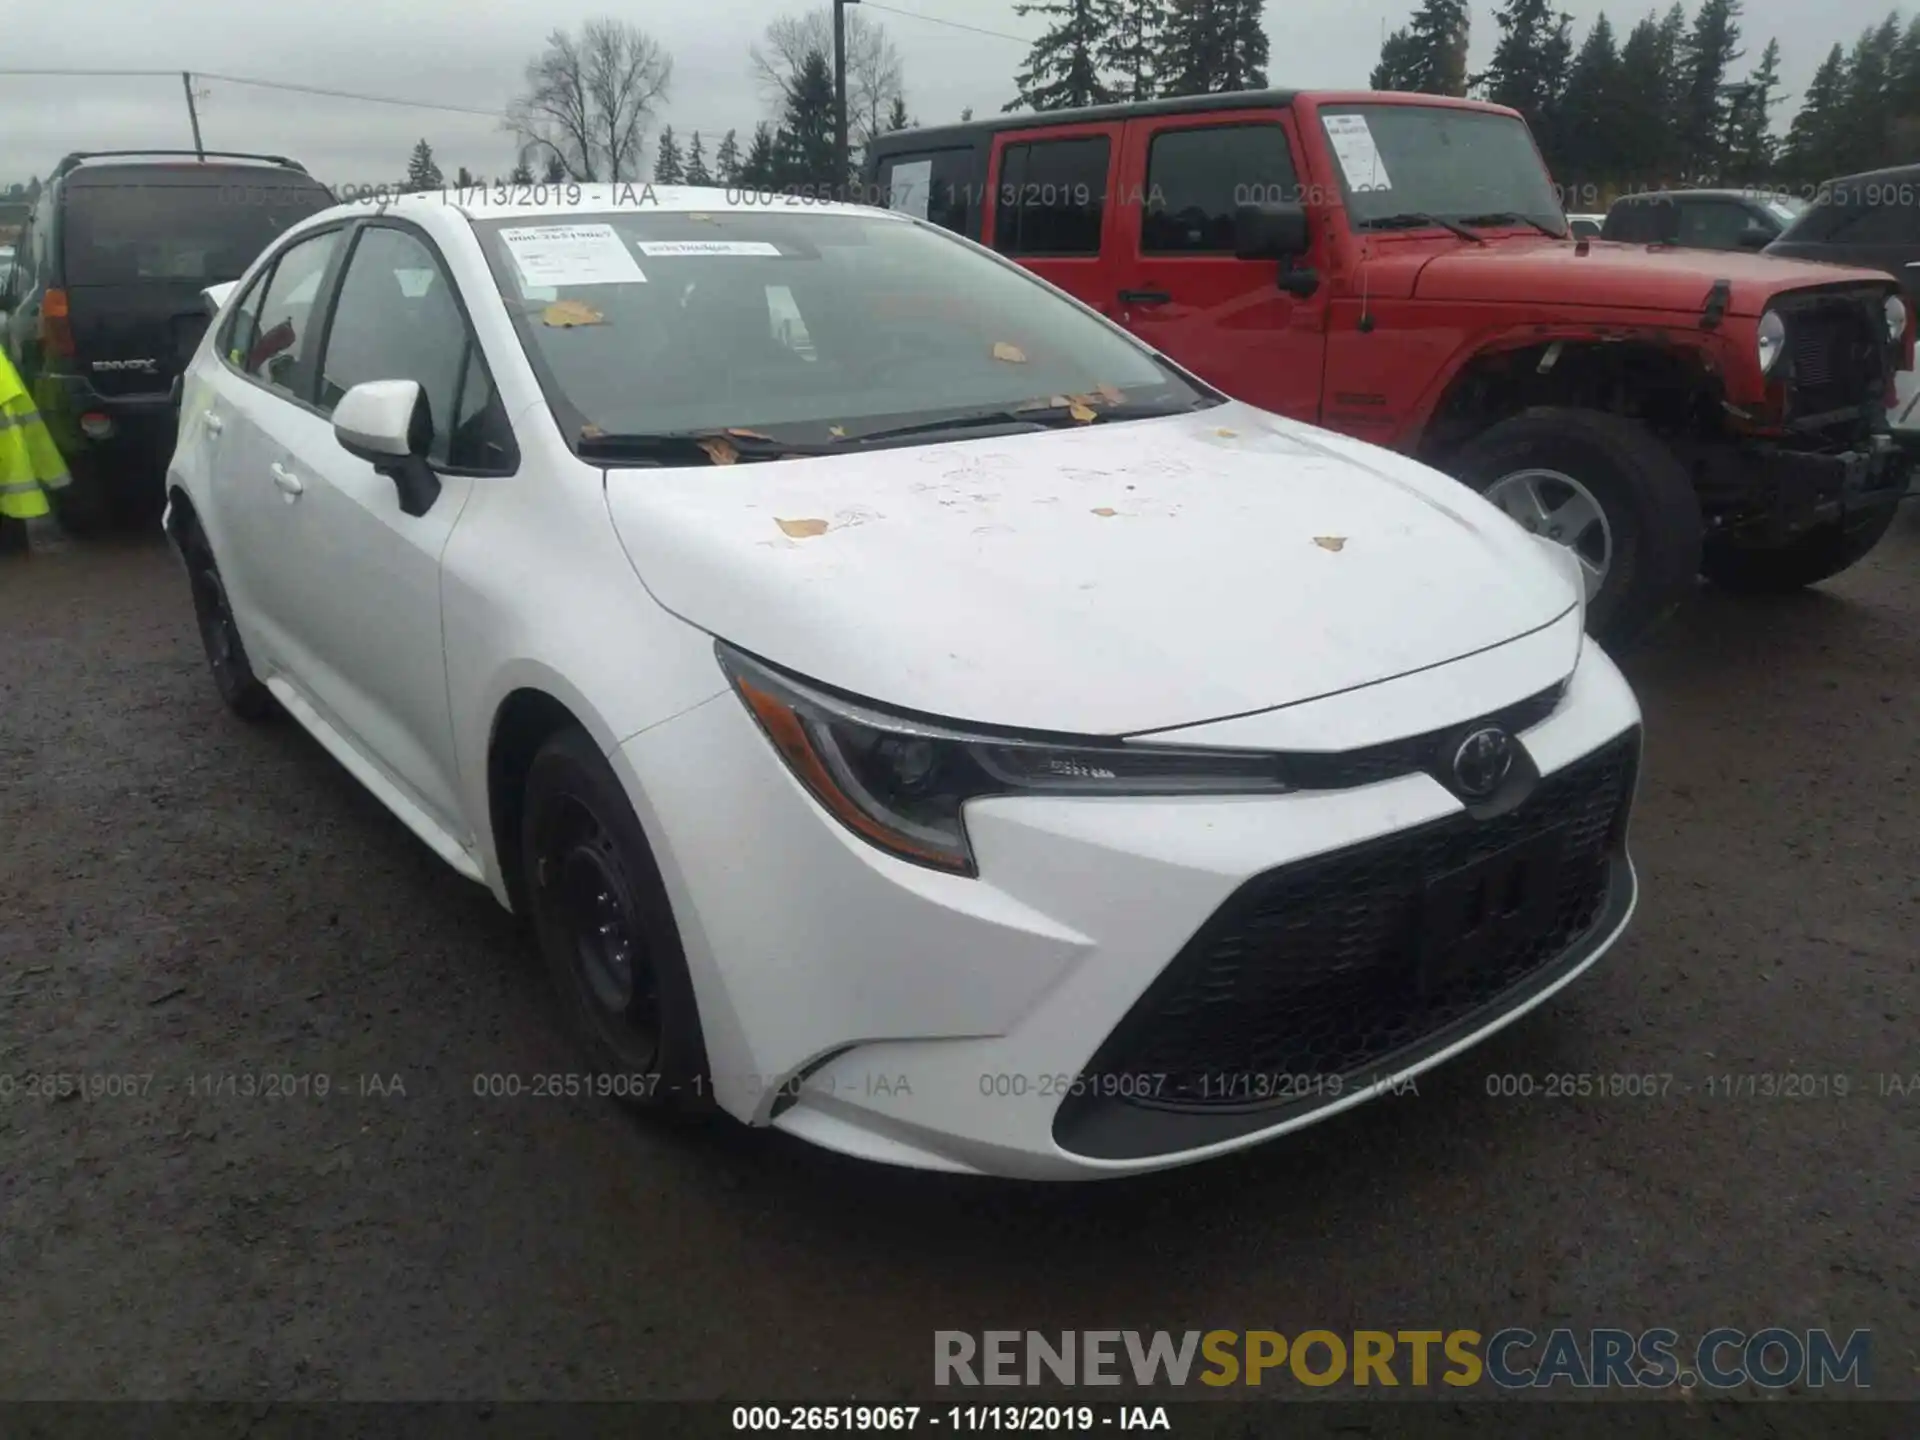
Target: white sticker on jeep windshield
{"x": 909, "y": 186}
{"x": 1352, "y": 141}
{"x": 571, "y": 255}
{"x": 662, "y": 248}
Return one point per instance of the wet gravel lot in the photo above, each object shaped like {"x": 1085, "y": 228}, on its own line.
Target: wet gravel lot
{"x": 184, "y": 898}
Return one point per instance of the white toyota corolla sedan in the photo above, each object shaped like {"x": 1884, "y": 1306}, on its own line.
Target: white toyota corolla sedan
{"x": 912, "y": 713}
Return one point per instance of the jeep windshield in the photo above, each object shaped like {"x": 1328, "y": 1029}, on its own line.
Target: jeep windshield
{"x": 776, "y": 331}
{"x": 1421, "y": 166}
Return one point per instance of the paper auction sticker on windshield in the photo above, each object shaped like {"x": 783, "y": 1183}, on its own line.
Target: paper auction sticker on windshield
{"x": 662, "y": 248}
{"x": 1353, "y": 147}
{"x": 558, "y": 255}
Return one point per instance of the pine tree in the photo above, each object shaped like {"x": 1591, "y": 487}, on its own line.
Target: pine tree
{"x": 1214, "y": 46}
{"x": 465, "y": 179}
{"x": 897, "y": 117}
{"x": 1673, "y": 73}
{"x": 1530, "y": 60}
{"x": 1813, "y": 140}
{"x": 1702, "y": 117}
{"x": 726, "y": 160}
{"x": 696, "y": 172}
{"x": 556, "y": 171}
{"x": 966, "y": 114}
{"x": 1904, "y": 94}
{"x": 810, "y": 155}
{"x": 1643, "y": 140}
{"x": 756, "y": 171}
{"x": 522, "y": 174}
{"x": 422, "y": 173}
{"x": 1063, "y": 67}
{"x": 667, "y": 167}
{"x": 1399, "y": 65}
{"x": 1866, "y": 126}
{"x": 1750, "y": 147}
{"x": 1428, "y": 54}
{"x": 1130, "y": 49}
{"x": 1589, "y": 140}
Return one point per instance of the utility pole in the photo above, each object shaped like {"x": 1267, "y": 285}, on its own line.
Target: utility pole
{"x": 186, "y": 83}
{"x": 841, "y": 156}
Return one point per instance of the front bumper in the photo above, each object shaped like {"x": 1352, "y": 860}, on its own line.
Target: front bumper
{"x": 886, "y": 1011}
{"x": 1775, "y": 492}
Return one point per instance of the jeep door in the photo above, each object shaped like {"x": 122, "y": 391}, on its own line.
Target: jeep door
{"x": 1180, "y": 286}
{"x": 1050, "y": 206}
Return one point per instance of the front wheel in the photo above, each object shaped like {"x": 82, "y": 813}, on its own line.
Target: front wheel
{"x": 1806, "y": 560}
{"x": 1611, "y": 492}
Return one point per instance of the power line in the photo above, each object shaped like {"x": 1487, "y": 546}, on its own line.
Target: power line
{"x": 950, "y": 24}
{"x": 268, "y": 85}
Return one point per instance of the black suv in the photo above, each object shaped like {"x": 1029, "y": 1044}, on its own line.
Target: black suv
{"x": 1870, "y": 220}
{"x": 103, "y": 308}
{"x": 1701, "y": 219}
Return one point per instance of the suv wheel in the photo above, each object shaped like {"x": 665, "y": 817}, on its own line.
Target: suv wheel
{"x": 606, "y": 930}
{"x": 1608, "y": 490}
{"x": 233, "y": 676}
{"x": 1812, "y": 557}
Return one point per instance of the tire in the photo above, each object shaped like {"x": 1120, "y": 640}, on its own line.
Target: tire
{"x": 1815, "y": 556}
{"x": 240, "y": 689}
{"x": 626, "y": 994}
{"x": 1651, "y": 515}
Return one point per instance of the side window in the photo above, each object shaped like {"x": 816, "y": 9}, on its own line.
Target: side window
{"x": 396, "y": 319}
{"x": 1198, "y": 178}
{"x": 279, "y": 336}
{"x": 938, "y": 185}
{"x": 1883, "y": 224}
{"x": 1641, "y": 222}
{"x": 1713, "y": 224}
{"x": 243, "y": 326}
{"x": 1052, "y": 197}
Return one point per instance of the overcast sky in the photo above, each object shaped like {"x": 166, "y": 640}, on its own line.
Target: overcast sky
{"x": 473, "y": 52}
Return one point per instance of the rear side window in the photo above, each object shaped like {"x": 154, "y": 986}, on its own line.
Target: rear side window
{"x": 1715, "y": 224}
{"x": 1052, "y": 197}
{"x": 936, "y": 185}
{"x": 280, "y": 344}
{"x": 201, "y": 233}
{"x": 1198, "y": 178}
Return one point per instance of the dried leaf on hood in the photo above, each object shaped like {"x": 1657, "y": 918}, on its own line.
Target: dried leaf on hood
{"x": 1083, "y": 412}
{"x": 1011, "y": 354}
{"x": 1109, "y": 393}
{"x": 1106, "y": 512}
{"x": 719, "y": 451}
{"x": 1228, "y": 434}
{"x": 1335, "y": 543}
{"x": 802, "y": 529}
{"x": 1058, "y": 402}
{"x": 748, "y": 434}
{"x": 838, "y": 432}
{"x": 591, "y": 432}
{"x": 564, "y": 314}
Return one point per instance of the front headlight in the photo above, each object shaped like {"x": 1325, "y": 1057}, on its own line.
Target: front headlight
{"x": 1896, "y": 313}
{"x": 1773, "y": 340}
{"x": 900, "y": 783}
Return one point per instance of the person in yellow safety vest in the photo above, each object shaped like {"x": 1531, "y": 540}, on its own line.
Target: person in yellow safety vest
{"x": 30, "y": 465}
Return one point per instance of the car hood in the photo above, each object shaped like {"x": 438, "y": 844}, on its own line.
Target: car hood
{"x": 1621, "y": 276}
{"x": 1104, "y": 581}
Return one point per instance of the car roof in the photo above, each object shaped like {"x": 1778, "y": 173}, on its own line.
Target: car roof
{"x": 1892, "y": 172}
{"x": 936, "y": 135}
{"x": 1647, "y": 196}
{"x": 599, "y": 200}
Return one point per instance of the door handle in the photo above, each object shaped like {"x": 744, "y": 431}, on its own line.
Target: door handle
{"x": 1145, "y": 297}
{"x": 286, "y": 479}
{"x": 215, "y": 425}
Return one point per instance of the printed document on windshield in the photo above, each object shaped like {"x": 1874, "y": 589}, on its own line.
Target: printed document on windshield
{"x": 558, "y": 255}
{"x": 1352, "y": 141}
{"x": 910, "y": 187}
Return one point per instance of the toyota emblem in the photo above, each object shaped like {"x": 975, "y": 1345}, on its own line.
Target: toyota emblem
{"x": 1483, "y": 762}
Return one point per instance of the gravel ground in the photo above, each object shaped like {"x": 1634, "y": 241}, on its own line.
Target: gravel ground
{"x": 182, "y": 896}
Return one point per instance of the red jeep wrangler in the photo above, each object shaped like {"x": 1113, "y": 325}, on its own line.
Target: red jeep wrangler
{"x": 1397, "y": 267}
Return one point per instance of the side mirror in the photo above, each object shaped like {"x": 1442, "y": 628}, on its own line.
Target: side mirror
{"x": 1270, "y": 232}
{"x": 214, "y": 296}
{"x": 389, "y": 424}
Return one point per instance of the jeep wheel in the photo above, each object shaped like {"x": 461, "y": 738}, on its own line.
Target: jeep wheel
{"x": 1815, "y": 556}
{"x": 1608, "y": 490}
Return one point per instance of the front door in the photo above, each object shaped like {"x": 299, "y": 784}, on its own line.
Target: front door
{"x": 1050, "y": 204}
{"x": 1180, "y": 286}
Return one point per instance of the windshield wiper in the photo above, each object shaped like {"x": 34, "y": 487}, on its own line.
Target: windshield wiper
{"x": 1514, "y": 217}
{"x": 693, "y": 447}
{"x": 1414, "y": 219}
{"x": 1032, "y": 417}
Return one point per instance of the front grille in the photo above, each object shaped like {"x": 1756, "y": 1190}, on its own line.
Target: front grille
{"x": 1313, "y": 970}
{"x": 1349, "y": 769}
{"x": 1837, "y": 356}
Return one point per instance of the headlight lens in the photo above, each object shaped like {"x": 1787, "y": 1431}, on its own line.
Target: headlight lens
{"x": 1896, "y": 311}
{"x": 900, "y": 783}
{"x": 1773, "y": 339}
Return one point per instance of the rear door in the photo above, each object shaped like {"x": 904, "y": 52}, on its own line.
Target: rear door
{"x": 139, "y": 244}
{"x": 1049, "y": 205}
{"x": 1180, "y": 286}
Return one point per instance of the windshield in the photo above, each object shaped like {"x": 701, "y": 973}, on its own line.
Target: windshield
{"x": 825, "y": 326}
{"x": 1432, "y": 160}
{"x": 202, "y": 233}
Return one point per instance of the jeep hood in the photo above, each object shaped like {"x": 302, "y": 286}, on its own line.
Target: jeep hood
{"x": 1104, "y": 581}
{"x": 1618, "y": 276}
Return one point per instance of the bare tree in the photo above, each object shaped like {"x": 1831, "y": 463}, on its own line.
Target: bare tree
{"x": 875, "y": 75}
{"x": 589, "y": 98}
